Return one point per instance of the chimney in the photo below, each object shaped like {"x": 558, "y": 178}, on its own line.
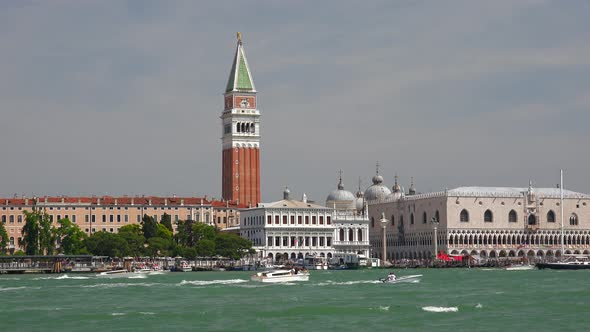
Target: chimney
{"x": 132, "y": 201}
{"x": 98, "y": 201}
{"x": 150, "y": 201}
{"x": 45, "y": 199}
{"x": 116, "y": 201}
{"x": 62, "y": 200}
{"x": 182, "y": 202}
{"x": 26, "y": 201}
{"x": 166, "y": 201}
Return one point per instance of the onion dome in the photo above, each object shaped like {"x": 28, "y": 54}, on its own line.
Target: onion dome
{"x": 340, "y": 198}
{"x": 377, "y": 191}
{"x": 397, "y": 192}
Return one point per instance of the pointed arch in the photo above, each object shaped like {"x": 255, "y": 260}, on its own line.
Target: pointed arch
{"x": 512, "y": 217}
{"x": 550, "y": 216}
{"x": 488, "y": 216}
{"x": 464, "y": 216}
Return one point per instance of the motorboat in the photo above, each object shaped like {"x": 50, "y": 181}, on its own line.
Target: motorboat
{"x": 521, "y": 267}
{"x": 116, "y": 274}
{"x": 412, "y": 278}
{"x": 281, "y": 276}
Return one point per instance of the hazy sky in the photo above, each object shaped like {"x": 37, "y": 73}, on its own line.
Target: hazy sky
{"x": 116, "y": 97}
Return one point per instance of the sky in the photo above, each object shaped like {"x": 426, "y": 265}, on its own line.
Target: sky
{"x": 124, "y": 97}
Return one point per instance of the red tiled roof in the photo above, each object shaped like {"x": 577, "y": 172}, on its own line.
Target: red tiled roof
{"x": 125, "y": 200}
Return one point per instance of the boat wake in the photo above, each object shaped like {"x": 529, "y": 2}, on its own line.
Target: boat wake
{"x": 7, "y": 289}
{"x": 120, "y": 284}
{"x": 353, "y": 282}
{"x": 211, "y": 282}
{"x": 440, "y": 309}
{"x": 65, "y": 276}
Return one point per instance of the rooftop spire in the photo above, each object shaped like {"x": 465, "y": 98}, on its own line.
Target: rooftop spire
{"x": 240, "y": 78}
{"x": 340, "y": 185}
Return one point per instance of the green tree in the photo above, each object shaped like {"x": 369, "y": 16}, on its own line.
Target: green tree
{"x": 107, "y": 244}
{"x": 163, "y": 232}
{"x": 47, "y": 235}
{"x": 70, "y": 236}
{"x": 30, "y": 232}
{"x": 149, "y": 226}
{"x": 167, "y": 221}
{"x": 184, "y": 235}
{"x": 232, "y": 245}
{"x": 3, "y": 238}
{"x": 133, "y": 235}
{"x": 158, "y": 246}
{"x": 206, "y": 248}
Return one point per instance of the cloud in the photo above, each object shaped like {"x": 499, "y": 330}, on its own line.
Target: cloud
{"x": 125, "y": 97}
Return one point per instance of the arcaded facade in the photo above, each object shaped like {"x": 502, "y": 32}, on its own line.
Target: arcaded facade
{"x": 482, "y": 221}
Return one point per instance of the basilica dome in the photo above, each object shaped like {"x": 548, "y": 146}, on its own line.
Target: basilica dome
{"x": 377, "y": 190}
{"x": 340, "y": 198}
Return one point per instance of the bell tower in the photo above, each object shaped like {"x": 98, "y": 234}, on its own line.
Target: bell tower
{"x": 241, "y": 134}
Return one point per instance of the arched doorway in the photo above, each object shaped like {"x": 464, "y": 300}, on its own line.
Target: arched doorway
{"x": 532, "y": 220}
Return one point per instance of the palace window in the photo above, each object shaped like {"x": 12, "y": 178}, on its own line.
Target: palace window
{"x": 574, "y": 219}
{"x": 512, "y": 216}
{"x": 411, "y": 218}
{"x": 550, "y": 216}
{"x": 464, "y": 216}
{"x": 424, "y": 218}
{"x": 487, "y": 216}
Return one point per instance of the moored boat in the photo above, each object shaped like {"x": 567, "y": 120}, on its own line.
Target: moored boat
{"x": 576, "y": 263}
{"x": 281, "y": 276}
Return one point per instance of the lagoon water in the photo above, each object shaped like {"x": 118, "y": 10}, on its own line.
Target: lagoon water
{"x": 443, "y": 300}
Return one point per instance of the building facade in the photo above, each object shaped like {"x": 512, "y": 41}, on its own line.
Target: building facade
{"x": 240, "y": 121}
{"x": 482, "y": 221}
{"x": 291, "y": 229}
{"x": 108, "y": 214}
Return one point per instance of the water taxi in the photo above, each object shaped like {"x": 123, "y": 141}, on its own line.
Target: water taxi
{"x": 281, "y": 276}
{"x": 412, "y": 278}
{"x": 116, "y": 274}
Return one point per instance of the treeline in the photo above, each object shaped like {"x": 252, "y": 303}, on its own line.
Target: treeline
{"x": 149, "y": 238}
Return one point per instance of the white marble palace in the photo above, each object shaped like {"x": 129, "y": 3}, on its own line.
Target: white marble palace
{"x": 486, "y": 221}
{"x": 290, "y": 229}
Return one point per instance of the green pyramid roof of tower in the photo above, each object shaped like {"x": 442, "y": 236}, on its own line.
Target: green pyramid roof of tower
{"x": 240, "y": 78}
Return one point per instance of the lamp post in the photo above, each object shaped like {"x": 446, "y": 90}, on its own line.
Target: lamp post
{"x": 384, "y": 240}
{"x": 435, "y": 225}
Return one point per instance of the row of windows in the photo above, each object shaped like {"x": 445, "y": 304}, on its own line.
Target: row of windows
{"x": 110, "y": 208}
{"x": 342, "y": 234}
{"x": 314, "y": 220}
{"x": 299, "y": 241}
{"x": 401, "y": 219}
{"x": 488, "y": 216}
{"x": 111, "y": 218}
{"x": 246, "y": 127}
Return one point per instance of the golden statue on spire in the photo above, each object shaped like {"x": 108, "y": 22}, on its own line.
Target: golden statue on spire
{"x": 239, "y": 35}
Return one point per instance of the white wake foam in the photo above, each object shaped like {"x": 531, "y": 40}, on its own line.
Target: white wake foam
{"x": 211, "y": 282}
{"x": 440, "y": 309}
{"x": 65, "y": 276}
{"x": 353, "y": 282}
{"x": 118, "y": 314}
{"x": 119, "y": 284}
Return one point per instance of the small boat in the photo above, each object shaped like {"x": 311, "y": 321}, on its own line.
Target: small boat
{"x": 522, "y": 267}
{"x": 116, "y": 274}
{"x": 412, "y": 278}
{"x": 281, "y": 276}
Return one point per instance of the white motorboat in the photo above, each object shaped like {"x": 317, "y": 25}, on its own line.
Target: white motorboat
{"x": 116, "y": 274}
{"x": 522, "y": 267}
{"x": 281, "y": 276}
{"x": 412, "y": 278}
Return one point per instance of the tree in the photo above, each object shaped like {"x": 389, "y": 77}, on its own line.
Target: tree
{"x": 70, "y": 236}
{"x": 158, "y": 246}
{"x": 206, "y": 248}
{"x": 107, "y": 244}
{"x": 184, "y": 235}
{"x": 30, "y": 232}
{"x": 149, "y": 226}
{"x": 133, "y": 235}
{"x": 47, "y": 234}
{"x": 3, "y": 238}
{"x": 232, "y": 245}
{"x": 163, "y": 232}
{"x": 167, "y": 221}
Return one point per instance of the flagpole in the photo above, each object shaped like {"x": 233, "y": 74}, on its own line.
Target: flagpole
{"x": 561, "y": 206}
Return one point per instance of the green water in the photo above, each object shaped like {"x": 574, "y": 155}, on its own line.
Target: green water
{"x": 444, "y": 300}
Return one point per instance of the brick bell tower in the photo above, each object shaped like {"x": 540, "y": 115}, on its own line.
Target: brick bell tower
{"x": 241, "y": 134}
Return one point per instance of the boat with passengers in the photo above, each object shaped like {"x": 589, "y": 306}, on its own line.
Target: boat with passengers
{"x": 281, "y": 276}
